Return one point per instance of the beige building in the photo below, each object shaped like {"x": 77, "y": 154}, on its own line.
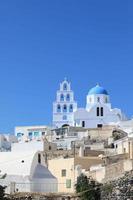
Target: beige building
{"x": 124, "y": 145}
{"x": 105, "y": 173}
{"x": 66, "y": 170}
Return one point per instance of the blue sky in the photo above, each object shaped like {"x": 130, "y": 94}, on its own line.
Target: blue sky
{"x": 41, "y": 42}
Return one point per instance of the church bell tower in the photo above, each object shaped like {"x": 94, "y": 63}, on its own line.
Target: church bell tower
{"x": 64, "y": 106}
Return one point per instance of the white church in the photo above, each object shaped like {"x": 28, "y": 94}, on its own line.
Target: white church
{"x": 98, "y": 111}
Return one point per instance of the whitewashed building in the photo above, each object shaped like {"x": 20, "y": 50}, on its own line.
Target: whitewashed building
{"x": 26, "y": 171}
{"x": 98, "y": 111}
{"x": 31, "y": 133}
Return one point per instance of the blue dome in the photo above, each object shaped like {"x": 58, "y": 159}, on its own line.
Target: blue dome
{"x": 98, "y": 90}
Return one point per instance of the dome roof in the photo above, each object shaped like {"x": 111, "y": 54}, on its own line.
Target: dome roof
{"x": 98, "y": 90}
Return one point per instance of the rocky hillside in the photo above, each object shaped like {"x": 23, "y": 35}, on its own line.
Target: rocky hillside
{"x": 121, "y": 188}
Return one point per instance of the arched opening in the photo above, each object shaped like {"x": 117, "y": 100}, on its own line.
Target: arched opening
{"x": 62, "y": 97}
{"x": 97, "y": 111}
{"x": 64, "y": 108}
{"x": 71, "y": 108}
{"x": 68, "y": 97}
{"x": 58, "y": 108}
{"x": 101, "y": 111}
{"x": 65, "y": 86}
{"x": 65, "y": 125}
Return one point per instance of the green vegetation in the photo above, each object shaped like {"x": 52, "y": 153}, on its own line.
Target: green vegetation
{"x": 87, "y": 188}
{"x": 2, "y": 193}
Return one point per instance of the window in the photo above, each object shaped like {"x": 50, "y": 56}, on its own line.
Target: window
{"x": 68, "y": 97}
{"x": 19, "y": 134}
{"x": 71, "y": 108}
{"x": 101, "y": 111}
{"x": 64, "y": 108}
{"x": 36, "y": 133}
{"x": 83, "y": 123}
{"x": 90, "y": 99}
{"x": 65, "y": 86}
{"x": 58, "y": 108}
{"x": 64, "y": 117}
{"x": 68, "y": 183}
{"x": 39, "y": 158}
{"x": 50, "y": 148}
{"x": 98, "y": 99}
{"x": 62, "y": 97}
{"x": 99, "y": 125}
{"x": 63, "y": 172}
{"x": 97, "y": 111}
{"x": 30, "y": 135}
{"x": 43, "y": 133}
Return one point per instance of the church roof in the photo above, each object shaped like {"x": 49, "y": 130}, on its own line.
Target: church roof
{"x": 98, "y": 90}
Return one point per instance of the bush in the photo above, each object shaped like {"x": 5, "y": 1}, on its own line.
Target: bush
{"x": 87, "y": 188}
{"x": 2, "y": 193}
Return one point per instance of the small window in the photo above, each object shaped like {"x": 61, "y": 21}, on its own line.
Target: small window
{"x": 83, "y": 123}
{"x": 19, "y": 134}
{"x": 63, "y": 172}
{"x": 68, "y": 183}
{"x": 58, "y": 108}
{"x": 30, "y": 135}
{"x": 97, "y": 111}
{"x": 99, "y": 125}
{"x": 43, "y": 133}
{"x": 62, "y": 97}
{"x": 101, "y": 111}
{"x": 71, "y": 108}
{"x": 50, "y": 147}
{"x": 64, "y": 108}
{"x": 98, "y": 99}
{"x": 90, "y": 100}
{"x": 39, "y": 158}
{"x": 36, "y": 133}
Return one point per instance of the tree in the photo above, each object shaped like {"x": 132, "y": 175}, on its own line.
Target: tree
{"x": 2, "y": 189}
{"x": 2, "y": 193}
{"x": 87, "y": 188}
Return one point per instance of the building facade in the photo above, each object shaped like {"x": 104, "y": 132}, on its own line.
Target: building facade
{"x": 64, "y": 106}
{"x": 98, "y": 111}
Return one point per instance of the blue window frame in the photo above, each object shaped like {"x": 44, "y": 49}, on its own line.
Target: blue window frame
{"x": 30, "y": 135}
{"x": 19, "y": 134}
{"x": 36, "y": 133}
